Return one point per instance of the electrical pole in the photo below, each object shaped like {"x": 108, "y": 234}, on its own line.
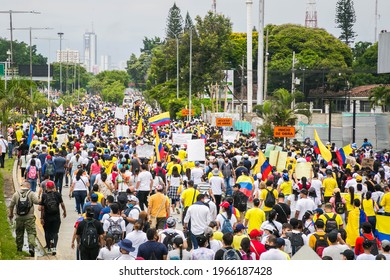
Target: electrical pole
{"x": 190, "y": 79}
{"x": 249, "y": 64}
{"x": 260, "y": 55}
{"x": 60, "y": 34}
{"x": 266, "y": 67}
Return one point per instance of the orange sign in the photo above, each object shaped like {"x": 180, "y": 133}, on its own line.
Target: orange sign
{"x": 224, "y": 122}
{"x": 284, "y": 131}
{"x": 185, "y": 112}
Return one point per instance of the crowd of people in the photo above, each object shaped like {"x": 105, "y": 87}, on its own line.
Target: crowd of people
{"x": 223, "y": 208}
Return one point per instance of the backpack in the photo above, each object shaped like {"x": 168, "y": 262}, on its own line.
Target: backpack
{"x": 296, "y": 240}
{"x": 88, "y": 167}
{"x": 241, "y": 203}
{"x": 226, "y": 226}
{"x": 168, "y": 240}
{"x": 374, "y": 248}
{"x": 340, "y": 207}
{"x": 115, "y": 229}
{"x": 24, "y": 204}
{"x": 90, "y": 237}
{"x": 230, "y": 255}
{"x": 32, "y": 173}
{"x": 321, "y": 243}
{"x": 49, "y": 169}
{"x": 331, "y": 223}
{"x": 269, "y": 199}
{"x": 245, "y": 256}
{"x": 127, "y": 212}
{"x": 51, "y": 204}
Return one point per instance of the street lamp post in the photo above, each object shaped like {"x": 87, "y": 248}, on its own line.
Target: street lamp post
{"x": 60, "y": 34}
{"x": 177, "y": 66}
{"x": 190, "y": 79}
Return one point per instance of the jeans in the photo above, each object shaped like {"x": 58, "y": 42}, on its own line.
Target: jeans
{"x": 143, "y": 199}
{"x": 2, "y": 158}
{"x": 229, "y": 189}
{"x": 10, "y": 149}
{"x": 59, "y": 178}
{"x": 33, "y": 184}
{"x": 372, "y": 221}
{"x": 79, "y": 197}
{"x": 92, "y": 180}
{"x": 194, "y": 241}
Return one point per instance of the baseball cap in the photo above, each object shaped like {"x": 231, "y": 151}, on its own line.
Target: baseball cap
{"x": 171, "y": 222}
{"x": 240, "y": 227}
{"x": 50, "y": 184}
{"x": 255, "y": 233}
{"x": 225, "y": 204}
{"x": 132, "y": 198}
{"x": 385, "y": 243}
{"x": 348, "y": 254}
{"x": 48, "y": 157}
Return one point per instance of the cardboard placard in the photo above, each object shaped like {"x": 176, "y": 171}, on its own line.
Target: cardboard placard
{"x": 119, "y": 113}
{"x": 278, "y": 159}
{"x": 62, "y": 138}
{"x": 230, "y": 136}
{"x": 270, "y": 148}
{"x": 350, "y": 160}
{"x": 88, "y": 130}
{"x": 368, "y": 163}
{"x": 181, "y": 138}
{"x": 122, "y": 130}
{"x": 196, "y": 150}
{"x": 145, "y": 151}
{"x": 303, "y": 169}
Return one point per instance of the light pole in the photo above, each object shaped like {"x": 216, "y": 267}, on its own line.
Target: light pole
{"x": 177, "y": 66}
{"x": 10, "y": 12}
{"x": 60, "y": 34}
{"x": 260, "y": 55}
{"x": 190, "y": 79}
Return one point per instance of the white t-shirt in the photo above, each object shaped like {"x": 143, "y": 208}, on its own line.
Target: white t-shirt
{"x": 134, "y": 214}
{"x": 276, "y": 224}
{"x": 105, "y": 254}
{"x": 334, "y": 251}
{"x": 317, "y": 185}
{"x": 303, "y": 205}
{"x": 137, "y": 237}
{"x": 144, "y": 178}
{"x": 174, "y": 181}
{"x": 215, "y": 245}
{"x": 80, "y": 185}
{"x": 220, "y": 219}
{"x": 196, "y": 175}
{"x": 216, "y": 183}
{"x": 365, "y": 257}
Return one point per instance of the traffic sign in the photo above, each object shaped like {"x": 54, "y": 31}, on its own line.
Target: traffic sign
{"x": 284, "y": 131}
{"x": 2, "y": 70}
{"x": 224, "y": 122}
{"x": 185, "y": 112}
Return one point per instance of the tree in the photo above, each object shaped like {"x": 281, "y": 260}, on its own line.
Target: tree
{"x": 109, "y": 77}
{"x": 188, "y": 23}
{"x": 114, "y": 92}
{"x": 21, "y": 53}
{"x": 150, "y": 44}
{"x": 174, "y": 22}
{"x": 345, "y": 19}
{"x": 380, "y": 96}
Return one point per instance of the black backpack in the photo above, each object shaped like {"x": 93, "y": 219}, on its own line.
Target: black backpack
{"x": 296, "y": 240}
{"x": 340, "y": 207}
{"x": 90, "y": 237}
{"x": 270, "y": 198}
{"x": 51, "y": 203}
{"x": 374, "y": 248}
{"x": 321, "y": 243}
{"x": 168, "y": 240}
{"x": 24, "y": 204}
{"x": 331, "y": 223}
{"x": 241, "y": 202}
{"x": 49, "y": 169}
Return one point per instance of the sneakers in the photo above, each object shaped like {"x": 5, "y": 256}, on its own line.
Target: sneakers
{"x": 32, "y": 253}
{"x": 177, "y": 210}
{"x": 54, "y": 251}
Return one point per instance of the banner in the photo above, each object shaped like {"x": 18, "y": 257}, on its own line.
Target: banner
{"x": 278, "y": 159}
{"x": 368, "y": 162}
{"x": 270, "y": 147}
{"x": 60, "y": 110}
{"x": 181, "y": 138}
{"x": 88, "y": 130}
{"x": 62, "y": 138}
{"x": 120, "y": 113}
{"x": 230, "y": 136}
{"x": 122, "y": 130}
{"x": 196, "y": 150}
{"x": 145, "y": 151}
{"x": 303, "y": 169}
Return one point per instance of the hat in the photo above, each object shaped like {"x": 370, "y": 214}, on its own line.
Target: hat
{"x": 319, "y": 211}
{"x": 48, "y": 157}
{"x": 171, "y": 222}
{"x": 94, "y": 197}
{"x": 197, "y": 163}
{"x": 215, "y": 171}
{"x": 268, "y": 227}
{"x": 132, "y": 198}
{"x": 358, "y": 178}
{"x": 126, "y": 245}
{"x": 255, "y": 233}
{"x": 385, "y": 243}
{"x": 280, "y": 242}
{"x": 304, "y": 191}
{"x": 240, "y": 227}
{"x": 225, "y": 204}
{"x": 348, "y": 254}
{"x": 50, "y": 184}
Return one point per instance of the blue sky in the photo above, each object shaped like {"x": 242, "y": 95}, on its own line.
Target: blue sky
{"x": 121, "y": 24}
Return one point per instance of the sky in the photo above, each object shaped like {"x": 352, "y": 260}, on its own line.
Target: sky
{"x": 120, "y": 25}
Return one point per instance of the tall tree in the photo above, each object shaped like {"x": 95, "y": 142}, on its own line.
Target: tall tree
{"x": 174, "y": 22}
{"x": 345, "y": 19}
{"x": 188, "y": 23}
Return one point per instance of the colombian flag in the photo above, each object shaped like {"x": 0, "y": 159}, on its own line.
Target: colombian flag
{"x": 160, "y": 119}
{"x": 246, "y": 184}
{"x": 263, "y": 166}
{"x": 316, "y": 149}
{"x": 342, "y": 153}
{"x": 325, "y": 153}
{"x": 158, "y": 146}
{"x": 30, "y": 134}
{"x": 383, "y": 227}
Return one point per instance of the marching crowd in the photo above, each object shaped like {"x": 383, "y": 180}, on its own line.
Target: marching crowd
{"x": 230, "y": 206}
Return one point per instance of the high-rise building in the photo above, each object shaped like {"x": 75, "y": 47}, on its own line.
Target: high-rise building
{"x": 105, "y": 62}
{"x": 90, "y": 51}
{"x": 68, "y": 56}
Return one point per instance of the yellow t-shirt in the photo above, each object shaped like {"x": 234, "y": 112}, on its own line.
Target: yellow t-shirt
{"x": 286, "y": 188}
{"x": 338, "y": 219}
{"x": 312, "y": 239}
{"x": 386, "y": 202}
{"x": 182, "y": 155}
{"x": 155, "y": 202}
{"x": 237, "y": 241}
{"x": 329, "y": 185}
{"x": 352, "y": 227}
{"x": 189, "y": 197}
{"x": 347, "y": 198}
{"x": 19, "y": 135}
{"x": 170, "y": 167}
{"x": 368, "y": 207}
{"x": 255, "y": 217}
{"x": 211, "y": 175}
{"x": 263, "y": 195}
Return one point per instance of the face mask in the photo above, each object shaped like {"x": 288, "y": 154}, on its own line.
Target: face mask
{"x": 130, "y": 205}
{"x": 226, "y": 161}
{"x": 267, "y": 247}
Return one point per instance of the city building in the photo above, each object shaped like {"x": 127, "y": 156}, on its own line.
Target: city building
{"x": 90, "y": 51}
{"x": 68, "y": 56}
{"x": 105, "y": 63}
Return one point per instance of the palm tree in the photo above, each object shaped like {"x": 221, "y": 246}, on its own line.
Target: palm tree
{"x": 380, "y": 96}
{"x": 39, "y": 101}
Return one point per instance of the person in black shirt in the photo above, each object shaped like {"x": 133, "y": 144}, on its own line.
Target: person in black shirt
{"x": 282, "y": 209}
{"x": 227, "y": 245}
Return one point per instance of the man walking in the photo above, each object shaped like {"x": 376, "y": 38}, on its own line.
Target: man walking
{"x": 159, "y": 208}
{"x": 3, "y": 150}
{"x": 24, "y": 201}
{"x": 59, "y": 163}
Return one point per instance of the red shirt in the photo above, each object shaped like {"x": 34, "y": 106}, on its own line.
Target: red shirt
{"x": 257, "y": 247}
{"x": 359, "y": 243}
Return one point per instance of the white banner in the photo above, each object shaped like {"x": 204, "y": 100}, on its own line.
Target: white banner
{"x": 181, "y": 138}
{"x": 119, "y": 113}
{"x": 196, "y": 150}
{"x": 145, "y": 151}
{"x": 122, "y": 130}
{"x": 230, "y": 136}
{"x": 62, "y": 138}
{"x": 88, "y": 130}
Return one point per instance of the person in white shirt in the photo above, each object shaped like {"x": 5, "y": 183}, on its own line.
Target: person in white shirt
{"x": 132, "y": 213}
{"x": 144, "y": 186}
{"x": 217, "y": 186}
{"x": 336, "y": 246}
{"x": 197, "y": 173}
{"x": 3, "y": 149}
{"x": 304, "y": 204}
{"x": 137, "y": 236}
{"x": 171, "y": 224}
{"x": 273, "y": 253}
{"x": 367, "y": 254}
{"x": 110, "y": 251}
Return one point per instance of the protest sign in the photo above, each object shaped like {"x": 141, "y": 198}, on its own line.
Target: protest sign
{"x": 278, "y": 159}
{"x": 368, "y": 163}
{"x": 145, "y": 151}
{"x": 270, "y": 147}
{"x": 62, "y": 138}
{"x": 88, "y": 130}
{"x": 181, "y": 138}
{"x": 303, "y": 169}
{"x": 122, "y": 131}
{"x": 230, "y": 136}
{"x": 119, "y": 113}
{"x": 196, "y": 150}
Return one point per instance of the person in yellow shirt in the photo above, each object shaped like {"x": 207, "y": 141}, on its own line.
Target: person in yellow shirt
{"x": 158, "y": 208}
{"x": 349, "y": 198}
{"x": 263, "y": 196}
{"x": 318, "y": 234}
{"x": 385, "y": 202}
{"x": 286, "y": 186}
{"x": 239, "y": 234}
{"x": 173, "y": 163}
{"x": 370, "y": 208}
{"x": 182, "y": 154}
{"x": 19, "y": 134}
{"x": 332, "y": 220}
{"x": 254, "y": 217}
{"x": 188, "y": 197}
{"x": 353, "y": 225}
{"x": 329, "y": 184}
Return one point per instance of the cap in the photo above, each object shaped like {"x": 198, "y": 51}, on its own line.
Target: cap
{"x": 240, "y": 227}
{"x": 255, "y": 233}
{"x": 348, "y": 254}
{"x": 197, "y": 163}
{"x": 280, "y": 242}
{"x": 126, "y": 245}
{"x": 268, "y": 227}
{"x": 319, "y": 211}
{"x": 171, "y": 222}
{"x": 225, "y": 204}
{"x": 48, "y": 157}
{"x": 359, "y": 178}
{"x": 132, "y": 198}
{"x": 50, "y": 184}
{"x": 385, "y": 243}
{"x": 94, "y": 197}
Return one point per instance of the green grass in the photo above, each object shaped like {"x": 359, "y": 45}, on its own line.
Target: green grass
{"x": 7, "y": 241}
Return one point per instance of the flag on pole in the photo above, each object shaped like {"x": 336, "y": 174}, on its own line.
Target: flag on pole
{"x": 342, "y": 153}
{"x": 54, "y": 135}
{"x": 38, "y": 127}
{"x": 60, "y": 110}
{"x": 105, "y": 128}
{"x": 158, "y": 146}
{"x": 160, "y": 119}
{"x": 139, "y": 128}
{"x": 324, "y": 151}
{"x": 262, "y": 166}
{"x": 30, "y": 134}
